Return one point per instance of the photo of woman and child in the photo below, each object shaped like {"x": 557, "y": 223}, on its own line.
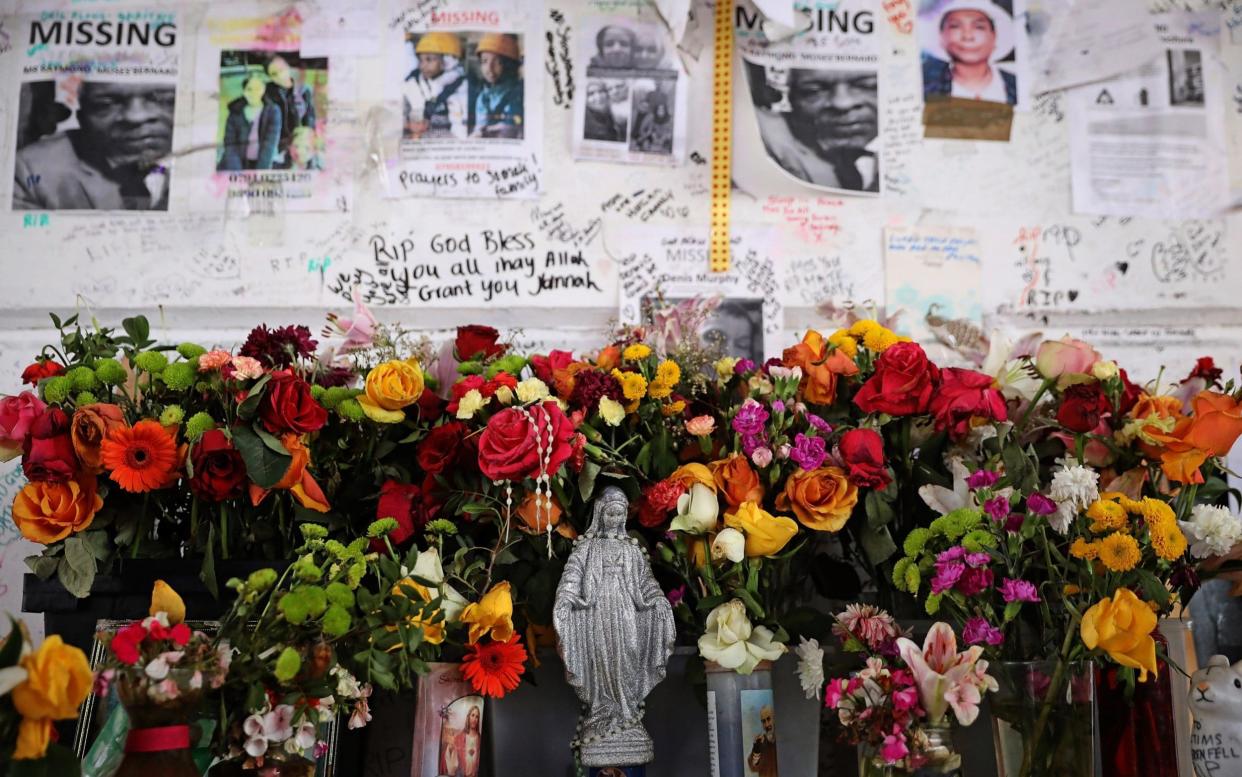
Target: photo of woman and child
{"x": 631, "y": 89}
{"x": 463, "y": 85}
{"x": 273, "y": 108}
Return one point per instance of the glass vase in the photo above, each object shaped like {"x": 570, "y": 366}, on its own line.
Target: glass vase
{"x": 1137, "y": 733}
{"x": 943, "y": 760}
{"x": 159, "y": 737}
{"x": 869, "y": 765}
{"x": 741, "y": 722}
{"x": 1044, "y": 719}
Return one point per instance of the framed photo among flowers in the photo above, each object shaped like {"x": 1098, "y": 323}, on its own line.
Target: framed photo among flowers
{"x": 102, "y": 726}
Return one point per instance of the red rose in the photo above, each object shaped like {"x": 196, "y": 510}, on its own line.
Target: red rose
{"x": 516, "y": 444}
{"x": 477, "y": 342}
{"x": 403, "y": 502}
{"x": 863, "y": 452}
{"x": 902, "y": 384}
{"x": 1130, "y": 393}
{"x": 1205, "y": 368}
{"x": 219, "y": 471}
{"x": 40, "y": 370}
{"x": 288, "y": 406}
{"x": 430, "y": 405}
{"x": 545, "y": 366}
{"x": 47, "y": 451}
{"x": 1082, "y": 406}
{"x": 443, "y": 447}
{"x": 501, "y": 379}
{"x": 964, "y": 395}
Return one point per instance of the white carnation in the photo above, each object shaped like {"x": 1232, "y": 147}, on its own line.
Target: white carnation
{"x": 810, "y": 667}
{"x": 1212, "y": 531}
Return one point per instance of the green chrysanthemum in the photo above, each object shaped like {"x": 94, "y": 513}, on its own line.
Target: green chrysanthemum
{"x": 85, "y": 398}
{"x": 198, "y": 424}
{"x": 191, "y": 350}
{"x": 179, "y": 376}
{"x": 110, "y": 372}
{"x": 340, "y": 595}
{"x": 312, "y": 531}
{"x": 336, "y": 621}
{"x": 172, "y": 415}
{"x": 350, "y": 410}
{"x": 151, "y": 361}
{"x": 82, "y": 378}
{"x": 288, "y": 665}
{"x": 382, "y": 527}
{"x": 915, "y": 541}
{"x": 56, "y": 390}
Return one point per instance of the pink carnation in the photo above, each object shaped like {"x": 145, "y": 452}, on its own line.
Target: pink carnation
{"x": 213, "y": 360}
{"x": 246, "y": 368}
{"x": 701, "y": 425}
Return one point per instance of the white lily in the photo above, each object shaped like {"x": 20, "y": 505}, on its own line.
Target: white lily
{"x": 428, "y": 567}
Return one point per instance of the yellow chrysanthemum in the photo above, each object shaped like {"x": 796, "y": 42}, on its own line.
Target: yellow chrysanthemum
{"x": 841, "y": 339}
{"x": 636, "y": 352}
{"x": 1154, "y": 512}
{"x": 861, "y": 327}
{"x": 668, "y": 373}
{"x": 1167, "y": 540}
{"x": 633, "y": 385}
{"x": 724, "y": 367}
{"x": 659, "y": 389}
{"x": 879, "y": 339}
{"x": 1119, "y": 552}
{"x": 673, "y": 408}
{"x": 1088, "y": 551}
{"x": 1107, "y": 516}
{"x": 1127, "y": 504}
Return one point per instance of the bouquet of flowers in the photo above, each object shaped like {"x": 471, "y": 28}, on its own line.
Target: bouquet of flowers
{"x": 38, "y": 687}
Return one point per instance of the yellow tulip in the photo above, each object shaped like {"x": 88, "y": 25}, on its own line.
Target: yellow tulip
{"x": 494, "y": 613}
{"x": 390, "y": 387}
{"x": 58, "y": 678}
{"x": 432, "y": 625}
{"x": 1122, "y": 626}
{"x": 164, "y": 599}
{"x": 766, "y": 534}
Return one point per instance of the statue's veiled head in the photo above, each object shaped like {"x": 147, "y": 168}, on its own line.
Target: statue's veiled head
{"x": 611, "y": 511}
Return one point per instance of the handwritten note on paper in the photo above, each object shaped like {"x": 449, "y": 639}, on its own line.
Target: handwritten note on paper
{"x": 932, "y": 269}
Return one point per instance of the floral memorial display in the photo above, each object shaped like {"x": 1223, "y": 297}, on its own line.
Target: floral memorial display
{"x": 402, "y": 504}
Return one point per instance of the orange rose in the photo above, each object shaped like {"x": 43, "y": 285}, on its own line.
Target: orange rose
{"x": 535, "y": 519}
{"x": 819, "y": 368}
{"x": 48, "y": 512}
{"x": 91, "y": 424}
{"x": 1160, "y": 408}
{"x": 689, "y": 474}
{"x": 821, "y": 498}
{"x": 1217, "y": 423}
{"x": 297, "y": 479}
{"x": 737, "y": 480}
{"x": 609, "y": 358}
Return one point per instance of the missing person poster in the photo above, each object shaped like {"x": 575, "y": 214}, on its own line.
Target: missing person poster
{"x": 470, "y": 102}
{"x": 816, "y": 95}
{"x": 94, "y": 120}
{"x": 1149, "y": 142}
{"x": 269, "y": 128}
{"x": 631, "y": 106}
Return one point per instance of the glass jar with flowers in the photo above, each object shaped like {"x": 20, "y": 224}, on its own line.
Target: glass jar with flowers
{"x": 161, "y": 670}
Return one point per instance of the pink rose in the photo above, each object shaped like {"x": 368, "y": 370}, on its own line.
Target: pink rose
{"x": 16, "y": 415}
{"x": 1067, "y": 356}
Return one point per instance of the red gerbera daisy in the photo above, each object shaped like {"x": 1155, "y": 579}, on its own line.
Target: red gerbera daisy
{"x": 495, "y": 668}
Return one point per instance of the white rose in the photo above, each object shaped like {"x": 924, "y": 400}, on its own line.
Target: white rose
{"x": 733, "y": 643}
{"x": 697, "y": 510}
{"x": 729, "y": 543}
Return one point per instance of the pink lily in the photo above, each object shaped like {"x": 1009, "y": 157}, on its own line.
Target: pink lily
{"x": 946, "y": 678}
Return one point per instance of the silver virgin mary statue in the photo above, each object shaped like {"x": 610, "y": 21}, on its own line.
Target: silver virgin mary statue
{"x": 616, "y": 633}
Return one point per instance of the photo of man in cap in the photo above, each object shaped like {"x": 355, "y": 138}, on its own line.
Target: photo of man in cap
{"x": 436, "y": 93}
{"x": 962, "y": 41}
{"x": 498, "y": 108}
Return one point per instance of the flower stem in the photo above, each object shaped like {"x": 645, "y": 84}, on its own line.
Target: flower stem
{"x": 1026, "y": 414}
{"x": 1058, "y": 676}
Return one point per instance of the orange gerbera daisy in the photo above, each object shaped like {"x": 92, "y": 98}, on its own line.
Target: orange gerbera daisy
{"x": 142, "y": 457}
{"x": 495, "y": 668}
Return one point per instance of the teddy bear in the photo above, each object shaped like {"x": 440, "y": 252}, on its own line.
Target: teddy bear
{"x": 1216, "y": 702}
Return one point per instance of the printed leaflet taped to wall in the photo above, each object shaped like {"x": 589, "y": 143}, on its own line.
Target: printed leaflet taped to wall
{"x": 94, "y": 128}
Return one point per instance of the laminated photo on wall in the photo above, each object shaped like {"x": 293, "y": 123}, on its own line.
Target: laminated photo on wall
{"x": 97, "y": 92}
{"x": 269, "y": 128}
{"x": 471, "y": 122}
{"x": 631, "y": 106}
{"x": 816, "y": 94}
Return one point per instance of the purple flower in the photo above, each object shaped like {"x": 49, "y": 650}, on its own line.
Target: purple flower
{"x": 975, "y": 581}
{"x": 676, "y": 595}
{"x": 750, "y": 418}
{"x": 1018, "y": 591}
{"x": 955, "y": 553}
{"x": 947, "y": 575}
{"x": 752, "y": 442}
{"x": 743, "y": 366}
{"x": 978, "y": 560}
{"x": 1040, "y": 504}
{"x": 809, "y": 452}
{"x": 978, "y": 631}
{"x": 820, "y": 424}
{"x": 997, "y": 507}
{"x": 1014, "y": 523}
{"x": 778, "y": 406}
{"x": 984, "y": 478}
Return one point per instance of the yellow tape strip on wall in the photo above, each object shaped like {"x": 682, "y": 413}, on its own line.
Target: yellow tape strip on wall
{"x": 722, "y": 136}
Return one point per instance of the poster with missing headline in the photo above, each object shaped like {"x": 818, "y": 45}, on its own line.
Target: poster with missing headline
{"x": 468, "y": 83}
{"x": 816, "y": 95}
{"x": 97, "y": 93}
{"x": 269, "y": 130}
{"x": 631, "y": 107}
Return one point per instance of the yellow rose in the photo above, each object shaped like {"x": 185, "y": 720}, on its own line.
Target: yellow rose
{"x": 766, "y": 534}
{"x": 494, "y": 613}
{"x": 694, "y": 472}
{"x": 164, "y": 599}
{"x": 431, "y": 624}
{"x": 58, "y": 679}
{"x": 32, "y": 738}
{"x": 391, "y": 386}
{"x": 1122, "y": 626}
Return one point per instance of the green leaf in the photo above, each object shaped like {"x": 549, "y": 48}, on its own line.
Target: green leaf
{"x": 250, "y": 405}
{"x": 1011, "y": 610}
{"x": 98, "y": 544}
{"x": 264, "y": 465}
{"x": 879, "y": 510}
{"x": 271, "y": 440}
{"x": 78, "y": 554}
{"x": 138, "y": 329}
{"x": 477, "y": 508}
{"x": 1153, "y": 589}
{"x": 877, "y": 543}
{"x": 43, "y": 566}
{"x": 77, "y": 581}
{"x": 586, "y": 479}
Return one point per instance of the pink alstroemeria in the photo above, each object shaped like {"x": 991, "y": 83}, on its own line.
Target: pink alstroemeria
{"x": 946, "y": 678}
{"x": 894, "y": 748}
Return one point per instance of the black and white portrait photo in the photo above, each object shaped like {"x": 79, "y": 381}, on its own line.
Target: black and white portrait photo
{"x": 820, "y": 125}
{"x": 93, "y": 144}
{"x": 734, "y": 325}
{"x": 967, "y": 50}
{"x": 1185, "y": 77}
